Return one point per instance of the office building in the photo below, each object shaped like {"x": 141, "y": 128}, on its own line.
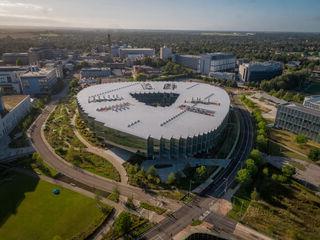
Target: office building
{"x": 258, "y": 71}
{"x": 217, "y": 62}
{"x": 136, "y": 52}
{"x": 312, "y": 102}
{"x": 38, "y": 81}
{"x": 12, "y": 110}
{"x": 11, "y": 58}
{"x": 161, "y": 120}
{"x": 299, "y": 119}
{"x": 189, "y": 61}
{"x": 207, "y": 63}
{"x": 165, "y": 53}
{"x": 10, "y": 79}
{"x": 95, "y": 73}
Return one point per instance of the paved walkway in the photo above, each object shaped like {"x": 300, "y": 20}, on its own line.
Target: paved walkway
{"x": 106, "y": 154}
{"x": 309, "y": 173}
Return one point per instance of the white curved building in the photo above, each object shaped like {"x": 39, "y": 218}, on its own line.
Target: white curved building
{"x": 159, "y": 119}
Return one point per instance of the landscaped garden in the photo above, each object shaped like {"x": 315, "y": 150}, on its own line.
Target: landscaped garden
{"x": 30, "y": 210}
{"x": 59, "y": 133}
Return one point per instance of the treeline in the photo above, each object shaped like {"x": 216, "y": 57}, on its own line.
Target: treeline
{"x": 288, "y": 81}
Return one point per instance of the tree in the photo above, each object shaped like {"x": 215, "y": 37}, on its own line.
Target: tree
{"x": 171, "y": 178}
{"x": 256, "y": 155}
{"x": 314, "y": 154}
{"x": 152, "y": 171}
{"x": 251, "y": 166}
{"x": 123, "y": 223}
{"x": 262, "y": 142}
{"x": 201, "y": 171}
{"x": 19, "y": 62}
{"x": 265, "y": 171}
{"x": 288, "y": 170}
{"x": 301, "y": 139}
{"x": 243, "y": 176}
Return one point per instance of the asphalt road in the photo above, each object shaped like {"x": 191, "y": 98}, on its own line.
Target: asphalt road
{"x": 184, "y": 215}
{"x": 73, "y": 172}
{"x": 200, "y": 205}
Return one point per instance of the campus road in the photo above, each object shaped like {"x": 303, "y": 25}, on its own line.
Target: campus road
{"x": 177, "y": 221}
{"x": 75, "y": 173}
{"x": 199, "y": 208}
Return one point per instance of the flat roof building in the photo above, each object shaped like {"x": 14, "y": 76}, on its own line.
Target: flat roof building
{"x": 95, "y": 73}
{"x": 207, "y": 63}
{"x": 170, "y": 120}
{"x": 11, "y": 58}
{"x": 299, "y": 119}
{"x": 15, "y": 108}
{"x": 38, "y": 81}
{"x": 165, "y": 53}
{"x": 258, "y": 71}
{"x": 136, "y": 52}
{"x": 312, "y": 102}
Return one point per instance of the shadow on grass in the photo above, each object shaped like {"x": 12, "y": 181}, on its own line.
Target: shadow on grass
{"x": 13, "y": 187}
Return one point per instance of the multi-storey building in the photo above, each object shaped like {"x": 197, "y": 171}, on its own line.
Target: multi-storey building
{"x": 258, "y": 71}
{"x": 11, "y": 58}
{"x": 299, "y": 120}
{"x": 165, "y": 53}
{"x": 38, "y": 81}
{"x": 136, "y": 52}
{"x": 10, "y": 116}
{"x": 95, "y": 73}
{"x": 10, "y": 79}
{"x": 312, "y": 102}
{"x": 208, "y": 63}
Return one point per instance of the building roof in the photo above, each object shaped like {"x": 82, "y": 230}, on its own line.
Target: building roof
{"x": 181, "y": 119}
{"x": 315, "y": 99}
{"x": 11, "y": 101}
{"x": 269, "y": 98}
{"x": 301, "y": 108}
{"x": 43, "y": 72}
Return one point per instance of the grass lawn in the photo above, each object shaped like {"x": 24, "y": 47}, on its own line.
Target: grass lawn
{"x": 282, "y": 210}
{"x": 29, "y": 210}
{"x": 288, "y": 139}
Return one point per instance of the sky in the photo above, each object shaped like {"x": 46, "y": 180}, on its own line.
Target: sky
{"x": 207, "y": 15}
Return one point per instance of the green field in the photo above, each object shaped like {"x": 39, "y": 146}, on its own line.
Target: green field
{"x": 29, "y": 210}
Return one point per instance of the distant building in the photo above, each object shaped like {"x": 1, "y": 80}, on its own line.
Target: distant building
{"x": 189, "y": 61}
{"x": 207, "y": 63}
{"x": 165, "y": 53}
{"x": 10, "y": 79}
{"x": 312, "y": 102}
{"x": 299, "y": 120}
{"x": 95, "y": 73}
{"x": 38, "y": 81}
{"x": 223, "y": 75}
{"x": 137, "y": 69}
{"x": 217, "y": 62}
{"x": 45, "y": 53}
{"x": 57, "y": 66}
{"x": 17, "y": 106}
{"x": 258, "y": 71}
{"x": 11, "y": 58}
{"x": 136, "y": 52}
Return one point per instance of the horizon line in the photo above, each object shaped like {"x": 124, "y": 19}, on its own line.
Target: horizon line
{"x": 149, "y": 29}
